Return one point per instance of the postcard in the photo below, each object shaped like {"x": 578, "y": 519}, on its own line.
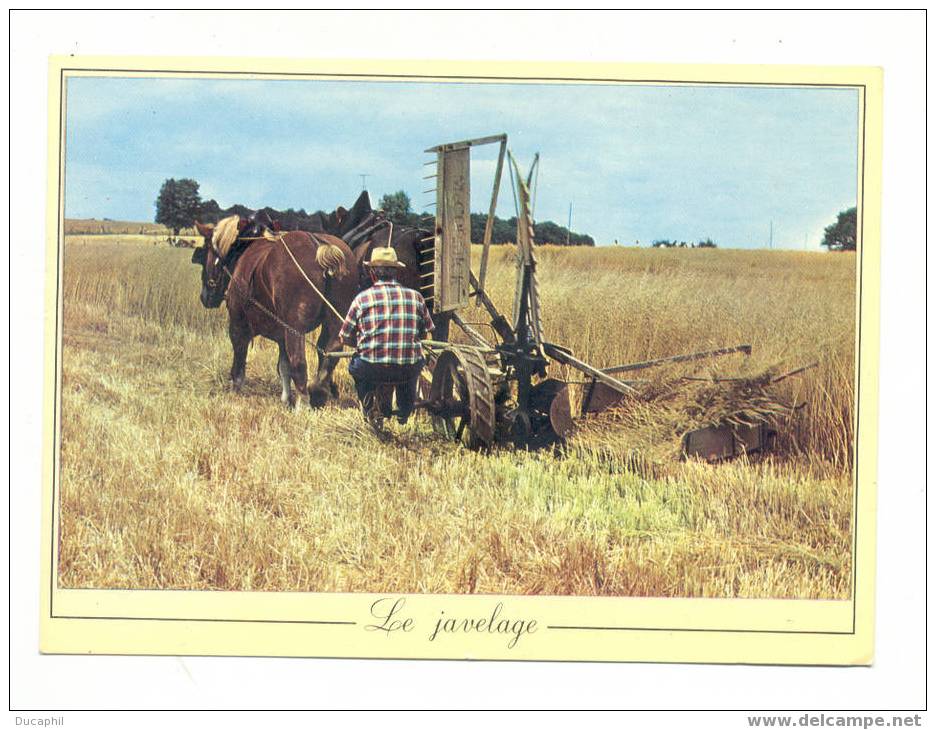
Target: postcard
{"x": 523, "y": 361}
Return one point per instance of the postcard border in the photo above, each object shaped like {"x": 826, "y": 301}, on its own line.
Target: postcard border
{"x": 63, "y": 71}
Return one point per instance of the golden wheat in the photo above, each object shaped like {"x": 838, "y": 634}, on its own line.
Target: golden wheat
{"x": 171, "y": 481}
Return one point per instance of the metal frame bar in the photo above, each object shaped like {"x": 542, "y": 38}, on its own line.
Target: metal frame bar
{"x": 472, "y": 333}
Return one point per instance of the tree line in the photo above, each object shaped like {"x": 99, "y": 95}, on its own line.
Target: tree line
{"x": 842, "y": 235}
{"x": 179, "y": 204}
{"x": 504, "y": 230}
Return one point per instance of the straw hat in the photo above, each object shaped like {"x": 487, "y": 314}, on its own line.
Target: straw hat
{"x": 384, "y": 256}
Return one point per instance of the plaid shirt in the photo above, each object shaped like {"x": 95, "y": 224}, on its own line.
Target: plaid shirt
{"x": 386, "y": 323}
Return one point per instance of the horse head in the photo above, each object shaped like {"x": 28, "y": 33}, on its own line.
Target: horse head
{"x": 257, "y": 224}
{"x": 214, "y": 256}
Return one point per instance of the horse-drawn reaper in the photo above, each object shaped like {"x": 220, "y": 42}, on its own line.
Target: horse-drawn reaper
{"x": 481, "y": 391}
{"x": 497, "y": 388}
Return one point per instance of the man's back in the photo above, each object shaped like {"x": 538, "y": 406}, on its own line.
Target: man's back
{"x": 386, "y": 323}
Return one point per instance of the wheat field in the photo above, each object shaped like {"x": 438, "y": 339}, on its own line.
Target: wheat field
{"x": 169, "y": 480}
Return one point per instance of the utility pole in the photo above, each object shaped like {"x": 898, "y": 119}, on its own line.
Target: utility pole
{"x": 569, "y": 228}
{"x": 364, "y": 176}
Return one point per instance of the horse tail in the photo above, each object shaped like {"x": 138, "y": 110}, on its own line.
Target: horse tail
{"x": 331, "y": 259}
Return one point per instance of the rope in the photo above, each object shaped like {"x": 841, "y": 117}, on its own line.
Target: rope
{"x": 253, "y": 301}
{"x": 308, "y": 280}
{"x": 262, "y": 308}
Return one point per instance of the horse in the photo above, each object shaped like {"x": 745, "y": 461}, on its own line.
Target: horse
{"x": 278, "y": 286}
{"x": 364, "y": 229}
{"x": 407, "y": 242}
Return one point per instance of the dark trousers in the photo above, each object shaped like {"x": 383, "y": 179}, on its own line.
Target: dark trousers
{"x": 369, "y": 375}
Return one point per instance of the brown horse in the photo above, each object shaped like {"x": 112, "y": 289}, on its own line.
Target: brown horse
{"x": 267, "y": 294}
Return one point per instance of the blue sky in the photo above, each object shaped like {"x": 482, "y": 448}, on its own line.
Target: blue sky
{"x": 637, "y": 162}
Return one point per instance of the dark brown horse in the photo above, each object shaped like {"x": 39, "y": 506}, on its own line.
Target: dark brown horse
{"x": 407, "y": 242}
{"x": 276, "y": 286}
{"x": 364, "y": 228}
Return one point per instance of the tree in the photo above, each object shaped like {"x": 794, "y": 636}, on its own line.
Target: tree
{"x": 210, "y": 211}
{"x": 843, "y": 234}
{"x": 396, "y": 206}
{"x": 178, "y": 204}
{"x": 706, "y": 243}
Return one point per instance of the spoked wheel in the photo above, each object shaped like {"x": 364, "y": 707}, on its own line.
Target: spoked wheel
{"x": 462, "y": 398}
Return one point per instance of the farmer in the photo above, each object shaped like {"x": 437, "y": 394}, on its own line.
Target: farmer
{"x": 385, "y": 324}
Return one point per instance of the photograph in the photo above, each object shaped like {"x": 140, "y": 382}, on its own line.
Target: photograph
{"x": 509, "y": 338}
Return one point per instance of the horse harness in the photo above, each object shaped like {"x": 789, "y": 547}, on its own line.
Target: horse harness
{"x": 250, "y": 298}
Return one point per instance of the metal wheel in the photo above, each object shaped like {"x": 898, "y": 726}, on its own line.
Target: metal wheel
{"x": 462, "y": 397}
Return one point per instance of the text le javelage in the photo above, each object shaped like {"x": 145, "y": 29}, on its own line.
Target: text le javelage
{"x": 390, "y": 617}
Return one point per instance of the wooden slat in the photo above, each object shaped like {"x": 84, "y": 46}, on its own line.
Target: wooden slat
{"x": 468, "y": 143}
{"x": 453, "y": 224}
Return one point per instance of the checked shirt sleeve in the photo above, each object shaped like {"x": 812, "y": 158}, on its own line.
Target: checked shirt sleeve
{"x": 426, "y": 325}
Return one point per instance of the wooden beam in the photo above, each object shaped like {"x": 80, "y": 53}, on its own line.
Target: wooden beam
{"x": 746, "y": 349}
{"x": 468, "y": 143}
{"x": 339, "y": 354}
{"x": 472, "y": 333}
{"x": 564, "y": 357}
{"x": 498, "y": 321}
{"x": 489, "y": 225}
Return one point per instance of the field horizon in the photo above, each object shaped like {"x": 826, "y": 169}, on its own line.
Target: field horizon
{"x": 102, "y": 227}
